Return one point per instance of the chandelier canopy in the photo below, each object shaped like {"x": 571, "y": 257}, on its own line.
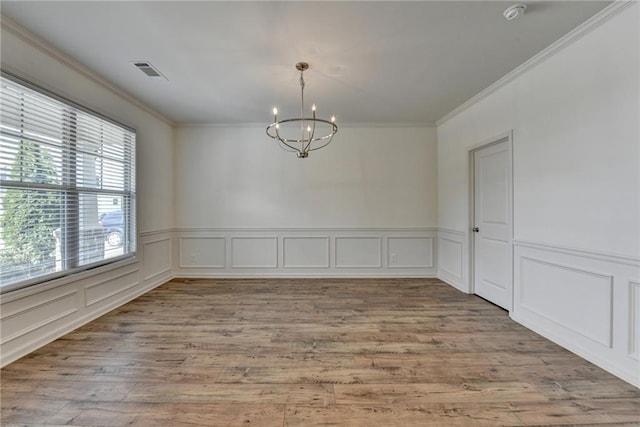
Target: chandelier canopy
{"x": 302, "y": 134}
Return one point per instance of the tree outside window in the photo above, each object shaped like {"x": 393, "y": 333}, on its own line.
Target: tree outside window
{"x": 30, "y": 217}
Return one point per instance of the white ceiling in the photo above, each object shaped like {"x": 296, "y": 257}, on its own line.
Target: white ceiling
{"x": 371, "y": 62}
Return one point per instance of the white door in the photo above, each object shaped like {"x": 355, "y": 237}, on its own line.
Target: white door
{"x": 492, "y": 223}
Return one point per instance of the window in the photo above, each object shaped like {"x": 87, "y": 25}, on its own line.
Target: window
{"x": 67, "y": 187}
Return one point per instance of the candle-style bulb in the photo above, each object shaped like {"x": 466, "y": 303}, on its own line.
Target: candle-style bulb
{"x": 277, "y": 125}
{"x": 313, "y": 107}
{"x": 333, "y": 119}
{"x": 275, "y": 111}
{"x": 308, "y": 128}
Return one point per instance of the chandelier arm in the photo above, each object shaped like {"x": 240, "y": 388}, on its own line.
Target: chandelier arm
{"x": 334, "y": 130}
{"x": 292, "y": 148}
{"x": 267, "y": 130}
{"x": 287, "y": 147}
{"x": 313, "y": 132}
{"x": 281, "y": 140}
{"x": 323, "y": 145}
{"x": 286, "y": 142}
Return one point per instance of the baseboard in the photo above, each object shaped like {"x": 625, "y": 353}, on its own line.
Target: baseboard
{"x": 330, "y": 275}
{"x": 453, "y": 283}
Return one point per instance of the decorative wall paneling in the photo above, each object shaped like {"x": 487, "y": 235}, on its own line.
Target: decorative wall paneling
{"x": 39, "y": 314}
{"x": 585, "y": 301}
{"x": 157, "y": 256}
{"x": 453, "y": 259}
{"x": 634, "y": 320}
{"x": 305, "y": 252}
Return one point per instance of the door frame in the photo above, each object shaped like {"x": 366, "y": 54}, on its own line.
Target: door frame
{"x": 503, "y": 137}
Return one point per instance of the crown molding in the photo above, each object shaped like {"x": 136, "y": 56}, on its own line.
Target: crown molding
{"x": 572, "y": 36}
{"x": 388, "y": 125}
{"x": 245, "y": 125}
{"x": 75, "y": 65}
{"x": 251, "y": 125}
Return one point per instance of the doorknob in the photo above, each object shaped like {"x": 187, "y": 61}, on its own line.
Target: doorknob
{"x": 475, "y": 229}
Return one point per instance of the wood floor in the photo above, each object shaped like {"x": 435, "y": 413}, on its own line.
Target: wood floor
{"x": 397, "y": 352}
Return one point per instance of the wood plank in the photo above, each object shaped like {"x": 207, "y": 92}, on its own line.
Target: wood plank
{"x": 20, "y": 408}
{"x": 303, "y": 394}
{"x": 427, "y": 393}
{"x": 19, "y": 372}
{"x": 167, "y": 414}
{"x": 581, "y": 411}
{"x": 375, "y": 414}
{"x": 107, "y": 391}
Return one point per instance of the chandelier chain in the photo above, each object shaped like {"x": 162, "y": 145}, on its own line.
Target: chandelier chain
{"x": 302, "y": 105}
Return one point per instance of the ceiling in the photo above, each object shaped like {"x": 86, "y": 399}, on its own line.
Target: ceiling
{"x": 231, "y": 62}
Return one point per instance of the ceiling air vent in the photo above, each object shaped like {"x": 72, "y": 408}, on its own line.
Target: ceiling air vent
{"x": 148, "y": 69}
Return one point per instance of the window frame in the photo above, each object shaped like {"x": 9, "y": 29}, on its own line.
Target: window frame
{"x": 131, "y": 204}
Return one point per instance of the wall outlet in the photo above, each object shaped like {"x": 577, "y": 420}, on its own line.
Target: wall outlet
{"x": 193, "y": 257}
{"x": 394, "y": 257}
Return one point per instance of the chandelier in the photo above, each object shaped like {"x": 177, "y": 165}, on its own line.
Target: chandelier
{"x": 314, "y": 133}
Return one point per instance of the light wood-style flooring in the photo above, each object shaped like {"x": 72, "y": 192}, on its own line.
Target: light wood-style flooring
{"x": 392, "y": 352}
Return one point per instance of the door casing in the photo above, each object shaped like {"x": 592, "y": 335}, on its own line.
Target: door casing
{"x": 508, "y": 138}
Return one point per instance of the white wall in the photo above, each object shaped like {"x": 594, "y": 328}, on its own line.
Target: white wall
{"x": 36, "y": 315}
{"x": 576, "y": 151}
{"x": 370, "y": 185}
{"x": 367, "y": 177}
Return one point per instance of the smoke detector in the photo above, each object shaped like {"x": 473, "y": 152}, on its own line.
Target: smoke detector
{"x": 514, "y": 11}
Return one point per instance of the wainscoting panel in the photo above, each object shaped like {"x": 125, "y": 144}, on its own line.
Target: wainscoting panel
{"x": 37, "y": 311}
{"x": 305, "y": 252}
{"x": 310, "y": 252}
{"x": 541, "y": 279}
{"x": 34, "y": 316}
{"x": 452, "y": 259}
{"x": 358, "y": 252}
{"x": 403, "y": 252}
{"x": 583, "y": 301}
{"x": 156, "y": 257}
{"x": 254, "y": 252}
{"x": 634, "y": 321}
{"x": 109, "y": 287}
{"x": 203, "y": 252}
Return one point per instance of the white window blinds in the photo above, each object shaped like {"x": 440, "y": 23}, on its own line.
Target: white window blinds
{"x": 67, "y": 187}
